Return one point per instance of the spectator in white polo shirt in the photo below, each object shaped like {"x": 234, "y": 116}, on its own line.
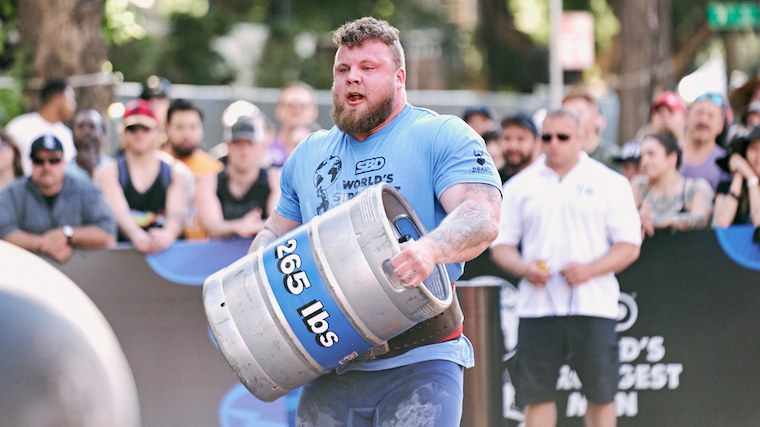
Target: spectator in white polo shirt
{"x": 577, "y": 225}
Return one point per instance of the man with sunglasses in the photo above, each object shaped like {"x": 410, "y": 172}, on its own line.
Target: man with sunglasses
{"x": 577, "y": 225}
{"x": 52, "y": 212}
{"x": 704, "y": 122}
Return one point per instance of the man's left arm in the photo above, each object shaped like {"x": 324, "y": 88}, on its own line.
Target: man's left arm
{"x": 471, "y": 225}
{"x": 618, "y": 257}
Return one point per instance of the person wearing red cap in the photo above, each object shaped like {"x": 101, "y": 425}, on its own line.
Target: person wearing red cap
{"x": 667, "y": 110}
{"x": 148, "y": 192}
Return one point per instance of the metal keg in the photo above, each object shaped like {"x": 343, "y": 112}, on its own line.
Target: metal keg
{"x": 321, "y": 295}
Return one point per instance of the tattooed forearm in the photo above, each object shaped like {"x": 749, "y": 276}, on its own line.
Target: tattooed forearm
{"x": 469, "y": 228}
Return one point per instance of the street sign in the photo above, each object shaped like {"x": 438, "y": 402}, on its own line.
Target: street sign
{"x": 576, "y": 41}
{"x": 723, "y": 16}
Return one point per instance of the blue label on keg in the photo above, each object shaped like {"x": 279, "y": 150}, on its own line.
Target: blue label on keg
{"x": 310, "y": 310}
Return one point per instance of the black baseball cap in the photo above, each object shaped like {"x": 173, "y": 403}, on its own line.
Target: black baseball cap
{"x": 46, "y": 142}
{"x": 522, "y": 120}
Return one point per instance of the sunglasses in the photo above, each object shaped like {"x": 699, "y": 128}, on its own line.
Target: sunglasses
{"x": 41, "y": 161}
{"x": 135, "y": 128}
{"x": 561, "y": 136}
{"x": 715, "y": 98}
{"x": 4, "y": 145}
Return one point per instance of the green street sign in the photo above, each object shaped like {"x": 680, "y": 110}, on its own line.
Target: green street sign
{"x": 722, "y": 16}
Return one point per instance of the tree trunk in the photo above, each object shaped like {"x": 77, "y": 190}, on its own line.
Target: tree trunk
{"x": 65, "y": 37}
{"x": 646, "y": 67}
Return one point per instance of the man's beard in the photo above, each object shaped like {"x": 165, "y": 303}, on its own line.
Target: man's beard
{"x": 183, "y": 151}
{"x": 521, "y": 162}
{"x": 353, "y": 124}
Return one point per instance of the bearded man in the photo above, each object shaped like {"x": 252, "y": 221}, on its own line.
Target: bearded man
{"x": 440, "y": 165}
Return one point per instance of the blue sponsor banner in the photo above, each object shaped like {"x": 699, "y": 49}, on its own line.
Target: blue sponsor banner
{"x": 310, "y": 310}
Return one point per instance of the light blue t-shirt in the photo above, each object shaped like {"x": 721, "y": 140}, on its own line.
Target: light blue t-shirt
{"x": 417, "y": 152}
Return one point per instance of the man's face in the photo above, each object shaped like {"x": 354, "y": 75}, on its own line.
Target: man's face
{"x": 48, "y": 171}
{"x": 296, "y": 107}
{"x": 88, "y": 130}
{"x": 565, "y": 143}
{"x": 704, "y": 121}
{"x": 140, "y": 138}
{"x": 365, "y": 82}
{"x": 243, "y": 154}
{"x": 662, "y": 116}
{"x": 519, "y": 145}
{"x": 185, "y": 132}
{"x": 587, "y": 112}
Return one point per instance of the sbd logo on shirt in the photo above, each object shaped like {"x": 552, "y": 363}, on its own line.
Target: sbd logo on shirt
{"x": 369, "y": 165}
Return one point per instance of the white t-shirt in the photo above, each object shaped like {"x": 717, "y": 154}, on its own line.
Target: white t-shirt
{"x": 28, "y": 127}
{"x": 575, "y": 219}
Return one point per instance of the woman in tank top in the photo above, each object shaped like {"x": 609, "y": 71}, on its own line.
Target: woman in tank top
{"x": 665, "y": 198}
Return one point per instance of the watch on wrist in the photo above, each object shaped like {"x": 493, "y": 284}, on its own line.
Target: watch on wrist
{"x": 752, "y": 181}
{"x": 68, "y": 232}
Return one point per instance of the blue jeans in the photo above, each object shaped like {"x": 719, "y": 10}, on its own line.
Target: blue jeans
{"x": 424, "y": 394}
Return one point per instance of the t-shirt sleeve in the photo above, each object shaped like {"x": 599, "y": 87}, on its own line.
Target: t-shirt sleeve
{"x": 623, "y": 221}
{"x": 288, "y": 204}
{"x": 461, "y": 157}
{"x": 8, "y": 214}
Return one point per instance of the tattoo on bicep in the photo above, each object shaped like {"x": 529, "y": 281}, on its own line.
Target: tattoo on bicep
{"x": 492, "y": 194}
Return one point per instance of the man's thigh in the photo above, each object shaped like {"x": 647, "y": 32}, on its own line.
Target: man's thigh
{"x": 541, "y": 350}
{"x": 593, "y": 354}
{"x": 420, "y": 395}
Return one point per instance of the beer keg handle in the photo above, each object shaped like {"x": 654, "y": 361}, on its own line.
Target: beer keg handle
{"x": 390, "y": 273}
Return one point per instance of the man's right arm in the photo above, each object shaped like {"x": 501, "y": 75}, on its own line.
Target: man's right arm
{"x": 274, "y": 227}
{"x": 509, "y": 259}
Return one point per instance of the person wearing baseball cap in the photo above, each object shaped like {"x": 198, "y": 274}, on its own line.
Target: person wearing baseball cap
{"x": 520, "y": 144}
{"x": 237, "y": 200}
{"x": 52, "y": 212}
{"x": 630, "y": 158}
{"x": 668, "y": 110}
{"x": 145, "y": 187}
{"x": 738, "y": 199}
{"x": 480, "y": 118}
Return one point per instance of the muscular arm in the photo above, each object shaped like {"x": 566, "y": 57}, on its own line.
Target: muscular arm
{"x": 274, "y": 227}
{"x": 471, "y": 225}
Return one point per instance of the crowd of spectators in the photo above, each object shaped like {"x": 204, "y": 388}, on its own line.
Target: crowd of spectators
{"x": 162, "y": 186}
{"x": 689, "y": 167}
{"x": 61, "y": 189}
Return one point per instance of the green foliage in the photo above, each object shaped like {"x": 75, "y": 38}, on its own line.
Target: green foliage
{"x": 121, "y": 23}
{"x": 189, "y": 57}
{"x": 281, "y": 64}
{"x": 182, "y": 56}
{"x": 12, "y": 101}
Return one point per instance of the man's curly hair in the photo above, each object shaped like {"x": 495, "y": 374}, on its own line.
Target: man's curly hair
{"x": 354, "y": 33}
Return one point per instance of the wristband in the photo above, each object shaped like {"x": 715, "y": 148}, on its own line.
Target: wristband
{"x": 730, "y": 193}
{"x": 752, "y": 181}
